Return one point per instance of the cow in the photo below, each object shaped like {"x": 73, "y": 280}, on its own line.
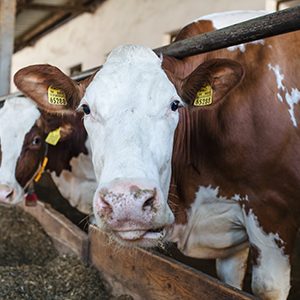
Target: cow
{"x": 202, "y": 151}
{"x": 23, "y": 132}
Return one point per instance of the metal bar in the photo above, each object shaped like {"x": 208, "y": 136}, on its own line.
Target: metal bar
{"x": 65, "y": 8}
{"x": 7, "y": 28}
{"x": 284, "y": 21}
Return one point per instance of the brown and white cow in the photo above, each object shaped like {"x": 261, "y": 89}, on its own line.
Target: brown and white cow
{"x": 23, "y": 130}
{"x": 234, "y": 149}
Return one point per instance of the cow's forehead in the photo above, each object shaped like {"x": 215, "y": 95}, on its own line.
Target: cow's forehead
{"x": 132, "y": 77}
{"x": 17, "y": 117}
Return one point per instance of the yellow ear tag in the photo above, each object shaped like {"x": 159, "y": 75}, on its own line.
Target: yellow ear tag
{"x": 204, "y": 96}
{"x": 53, "y": 137}
{"x": 56, "y": 96}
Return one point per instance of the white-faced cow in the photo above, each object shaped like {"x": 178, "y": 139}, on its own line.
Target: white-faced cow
{"x": 226, "y": 124}
{"x": 23, "y": 130}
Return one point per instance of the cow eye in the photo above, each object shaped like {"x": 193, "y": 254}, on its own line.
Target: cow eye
{"x": 175, "y": 105}
{"x": 36, "y": 141}
{"x": 86, "y": 109}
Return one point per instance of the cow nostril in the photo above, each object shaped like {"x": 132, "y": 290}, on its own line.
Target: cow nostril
{"x": 6, "y": 193}
{"x": 10, "y": 193}
{"x": 105, "y": 207}
{"x": 149, "y": 202}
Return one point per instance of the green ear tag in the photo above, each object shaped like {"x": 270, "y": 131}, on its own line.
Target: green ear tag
{"x": 204, "y": 96}
{"x": 56, "y": 96}
{"x": 53, "y": 137}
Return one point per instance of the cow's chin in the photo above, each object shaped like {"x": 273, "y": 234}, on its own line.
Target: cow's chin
{"x": 140, "y": 238}
{"x": 135, "y": 238}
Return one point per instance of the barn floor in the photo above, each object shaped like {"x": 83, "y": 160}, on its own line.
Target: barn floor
{"x": 30, "y": 267}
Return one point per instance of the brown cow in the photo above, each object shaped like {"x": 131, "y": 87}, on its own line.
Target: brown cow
{"x": 235, "y": 179}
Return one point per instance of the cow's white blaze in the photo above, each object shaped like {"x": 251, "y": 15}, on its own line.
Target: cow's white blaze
{"x": 17, "y": 117}
{"x": 131, "y": 125}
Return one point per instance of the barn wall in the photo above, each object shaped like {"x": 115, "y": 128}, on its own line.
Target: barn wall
{"x": 90, "y": 37}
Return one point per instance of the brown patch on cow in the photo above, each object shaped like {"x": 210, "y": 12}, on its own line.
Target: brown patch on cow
{"x": 201, "y": 26}
{"x": 248, "y": 145}
{"x": 176, "y": 205}
{"x": 255, "y": 255}
{"x": 31, "y": 156}
{"x": 71, "y": 144}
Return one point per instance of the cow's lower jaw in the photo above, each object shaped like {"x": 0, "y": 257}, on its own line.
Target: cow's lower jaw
{"x": 142, "y": 238}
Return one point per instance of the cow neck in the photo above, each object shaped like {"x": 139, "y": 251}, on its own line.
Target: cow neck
{"x": 61, "y": 154}
{"x": 195, "y": 140}
{"x": 31, "y": 197}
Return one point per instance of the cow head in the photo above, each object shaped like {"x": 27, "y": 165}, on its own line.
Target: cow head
{"x": 131, "y": 113}
{"x": 23, "y": 129}
{"x": 20, "y": 140}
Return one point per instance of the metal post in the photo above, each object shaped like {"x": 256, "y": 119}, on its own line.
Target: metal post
{"x": 7, "y": 30}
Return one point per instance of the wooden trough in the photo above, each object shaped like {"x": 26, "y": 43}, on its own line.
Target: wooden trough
{"x": 137, "y": 272}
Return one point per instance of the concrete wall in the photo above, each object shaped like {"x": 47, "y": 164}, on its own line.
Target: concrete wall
{"x": 90, "y": 37}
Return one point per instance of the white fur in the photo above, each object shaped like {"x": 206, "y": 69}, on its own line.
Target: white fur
{"x": 17, "y": 117}
{"x": 232, "y": 269}
{"x": 271, "y": 277}
{"x": 79, "y": 185}
{"x": 278, "y": 75}
{"x": 242, "y": 47}
{"x": 214, "y": 228}
{"x": 292, "y": 98}
{"x": 130, "y": 100}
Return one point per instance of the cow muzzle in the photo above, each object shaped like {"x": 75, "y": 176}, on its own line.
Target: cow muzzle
{"x": 6, "y": 193}
{"x": 133, "y": 212}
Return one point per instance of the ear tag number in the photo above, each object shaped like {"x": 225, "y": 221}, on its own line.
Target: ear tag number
{"x": 204, "y": 96}
{"x": 53, "y": 137}
{"x": 56, "y": 96}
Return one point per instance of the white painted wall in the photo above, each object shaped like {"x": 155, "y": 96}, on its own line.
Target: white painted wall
{"x": 88, "y": 38}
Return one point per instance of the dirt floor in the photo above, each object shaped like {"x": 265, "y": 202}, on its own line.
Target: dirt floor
{"x": 30, "y": 267}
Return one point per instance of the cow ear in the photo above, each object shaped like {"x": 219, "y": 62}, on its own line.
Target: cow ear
{"x": 211, "y": 82}
{"x": 50, "y": 88}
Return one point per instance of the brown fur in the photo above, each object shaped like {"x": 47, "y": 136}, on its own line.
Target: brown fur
{"x": 60, "y": 155}
{"x": 247, "y": 144}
